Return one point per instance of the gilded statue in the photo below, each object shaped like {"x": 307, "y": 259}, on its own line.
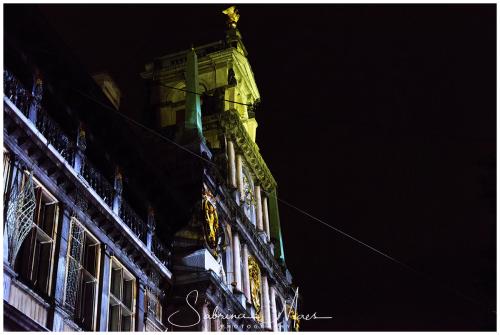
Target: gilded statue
{"x": 292, "y": 314}
{"x": 254, "y": 271}
{"x": 212, "y": 223}
{"x": 232, "y": 16}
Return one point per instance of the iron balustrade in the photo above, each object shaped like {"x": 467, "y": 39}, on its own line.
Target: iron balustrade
{"x": 55, "y": 136}
{"x": 160, "y": 251}
{"x": 133, "y": 221}
{"x": 15, "y": 91}
{"x": 98, "y": 182}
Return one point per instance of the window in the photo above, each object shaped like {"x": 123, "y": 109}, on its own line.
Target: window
{"x": 121, "y": 298}
{"x": 153, "y": 304}
{"x": 6, "y": 172}
{"x": 248, "y": 196}
{"x": 82, "y": 275}
{"x": 35, "y": 259}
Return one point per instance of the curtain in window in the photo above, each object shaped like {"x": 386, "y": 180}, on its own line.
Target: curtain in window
{"x": 20, "y": 212}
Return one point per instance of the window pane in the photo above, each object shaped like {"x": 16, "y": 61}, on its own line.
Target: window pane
{"x": 127, "y": 323}
{"x": 128, "y": 289}
{"x": 42, "y": 276}
{"x": 116, "y": 281}
{"x": 24, "y": 259}
{"x": 76, "y": 241}
{"x": 88, "y": 298}
{"x": 48, "y": 223}
{"x": 72, "y": 283}
{"x": 114, "y": 318}
{"x": 90, "y": 258}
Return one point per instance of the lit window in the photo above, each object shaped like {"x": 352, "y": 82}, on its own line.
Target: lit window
{"x": 248, "y": 196}
{"x": 6, "y": 172}
{"x": 82, "y": 275}
{"x": 121, "y": 298}
{"x": 34, "y": 261}
{"x": 153, "y": 304}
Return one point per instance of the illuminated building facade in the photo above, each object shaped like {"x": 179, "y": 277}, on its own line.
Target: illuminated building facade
{"x": 113, "y": 226}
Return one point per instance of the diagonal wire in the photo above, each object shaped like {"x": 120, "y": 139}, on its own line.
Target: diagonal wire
{"x": 404, "y": 265}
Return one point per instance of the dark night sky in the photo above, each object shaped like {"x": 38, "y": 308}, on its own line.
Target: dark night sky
{"x": 378, "y": 119}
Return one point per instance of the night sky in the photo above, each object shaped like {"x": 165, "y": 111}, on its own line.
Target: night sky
{"x": 379, "y": 120}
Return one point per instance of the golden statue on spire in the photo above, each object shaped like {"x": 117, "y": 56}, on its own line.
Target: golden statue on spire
{"x": 232, "y": 16}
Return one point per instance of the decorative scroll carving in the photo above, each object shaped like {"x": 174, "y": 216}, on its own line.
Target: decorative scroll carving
{"x": 235, "y": 129}
{"x": 255, "y": 288}
{"x": 20, "y": 213}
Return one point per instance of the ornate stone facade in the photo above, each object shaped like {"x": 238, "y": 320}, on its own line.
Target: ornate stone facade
{"x": 184, "y": 236}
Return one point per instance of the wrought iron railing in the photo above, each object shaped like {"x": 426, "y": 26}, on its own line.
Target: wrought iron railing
{"x": 55, "y": 136}
{"x": 98, "y": 182}
{"x": 160, "y": 250}
{"x": 133, "y": 221}
{"x": 15, "y": 91}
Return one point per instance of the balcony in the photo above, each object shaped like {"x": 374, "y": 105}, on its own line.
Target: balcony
{"x": 30, "y": 107}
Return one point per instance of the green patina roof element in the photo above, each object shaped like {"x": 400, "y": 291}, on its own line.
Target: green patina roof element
{"x": 275, "y": 227}
{"x": 193, "y": 106}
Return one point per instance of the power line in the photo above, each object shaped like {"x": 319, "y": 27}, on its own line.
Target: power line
{"x": 201, "y": 94}
{"x": 377, "y": 251}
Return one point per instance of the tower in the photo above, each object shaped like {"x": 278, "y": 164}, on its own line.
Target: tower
{"x": 230, "y": 251}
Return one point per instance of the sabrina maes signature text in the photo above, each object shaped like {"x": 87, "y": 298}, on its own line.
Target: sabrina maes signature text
{"x": 217, "y": 314}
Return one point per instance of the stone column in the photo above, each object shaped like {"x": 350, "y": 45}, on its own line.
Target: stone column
{"x": 237, "y": 261}
{"x": 246, "y": 274}
{"x": 140, "y": 325}
{"x": 258, "y": 208}
{"x": 60, "y": 277}
{"x": 232, "y": 164}
{"x": 231, "y": 96}
{"x": 229, "y": 260}
{"x": 265, "y": 302}
{"x": 215, "y": 326}
{"x": 81, "y": 146}
{"x": 117, "y": 201}
{"x": 61, "y": 259}
{"x": 151, "y": 228}
{"x": 37, "y": 94}
{"x": 205, "y": 322}
{"x": 274, "y": 312}
{"x": 265, "y": 217}
{"x": 239, "y": 175}
{"x": 106, "y": 271}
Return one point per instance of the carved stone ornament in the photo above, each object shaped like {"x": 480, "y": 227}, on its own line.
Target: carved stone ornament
{"x": 211, "y": 227}
{"x": 254, "y": 271}
{"x": 235, "y": 130}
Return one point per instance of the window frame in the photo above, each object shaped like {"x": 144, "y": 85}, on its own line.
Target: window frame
{"x": 30, "y": 271}
{"x": 77, "y": 308}
{"x": 118, "y": 301}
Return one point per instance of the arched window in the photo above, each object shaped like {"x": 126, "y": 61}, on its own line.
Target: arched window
{"x": 248, "y": 196}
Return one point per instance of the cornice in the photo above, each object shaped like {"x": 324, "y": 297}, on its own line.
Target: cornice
{"x": 235, "y": 130}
